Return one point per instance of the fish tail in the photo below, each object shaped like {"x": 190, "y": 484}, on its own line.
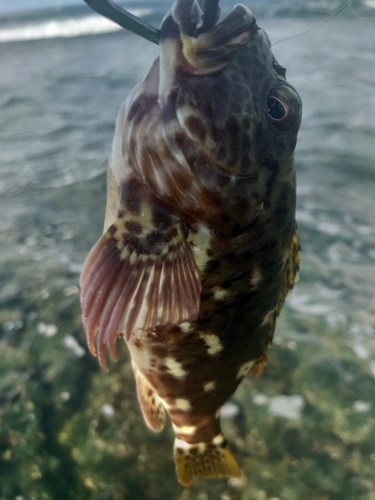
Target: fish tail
{"x": 211, "y": 460}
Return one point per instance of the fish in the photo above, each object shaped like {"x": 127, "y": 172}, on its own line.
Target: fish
{"x": 200, "y": 245}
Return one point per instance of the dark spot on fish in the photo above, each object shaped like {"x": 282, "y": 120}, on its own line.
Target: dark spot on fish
{"x": 236, "y": 107}
{"x": 232, "y": 127}
{"x": 206, "y": 295}
{"x": 160, "y": 351}
{"x": 246, "y": 122}
{"x": 212, "y": 265}
{"x": 225, "y": 219}
{"x": 196, "y": 127}
{"x": 203, "y": 321}
{"x": 133, "y": 227}
{"x": 228, "y": 283}
{"x": 270, "y": 245}
{"x": 243, "y": 60}
{"x": 138, "y": 343}
{"x": 242, "y": 301}
{"x": 235, "y": 230}
{"x": 112, "y": 229}
{"x": 168, "y": 111}
{"x": 218, "y": 95}
{"x": 161, "y": 220}
{"x": 136, "y": 243}
{"x": 131, "y": 196}
{"x": 221, "y": 153}
{"x": 246, "y": 256}
{"x": 216, "y": 133}
{"x": 181, "y": 140}
{"x": 140, "y": 108}
{"x": 245, "y": 143}
{"x": 245, "y": 162}
{"x": 245, "y": 74}
{"x": 234, "y": 151}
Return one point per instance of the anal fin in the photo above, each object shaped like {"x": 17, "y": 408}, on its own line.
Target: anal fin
{"x": 150, "y": 403}
{"x": 209, "y": 460}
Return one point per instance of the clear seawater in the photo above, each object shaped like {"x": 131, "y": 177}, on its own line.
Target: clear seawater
{"x": 306, "y": 429}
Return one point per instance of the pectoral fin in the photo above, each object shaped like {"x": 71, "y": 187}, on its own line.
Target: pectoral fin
{"x": 139, "y": 275}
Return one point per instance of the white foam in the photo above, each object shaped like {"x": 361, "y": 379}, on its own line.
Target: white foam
{"x": 64, "y": 28}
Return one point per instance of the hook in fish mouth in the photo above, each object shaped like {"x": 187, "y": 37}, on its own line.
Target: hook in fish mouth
{"x": 212, "y": 50}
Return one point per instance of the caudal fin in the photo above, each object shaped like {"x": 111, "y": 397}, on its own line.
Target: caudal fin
{"x": 211, "y": 460}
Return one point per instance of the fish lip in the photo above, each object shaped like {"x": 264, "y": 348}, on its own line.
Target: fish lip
{"x": 251, "y": 28}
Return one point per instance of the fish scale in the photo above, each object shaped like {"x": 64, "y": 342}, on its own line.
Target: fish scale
{"x": 200, "y": 246}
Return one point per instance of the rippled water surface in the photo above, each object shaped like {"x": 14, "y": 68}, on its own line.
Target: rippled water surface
{"x": 306, "y": 429}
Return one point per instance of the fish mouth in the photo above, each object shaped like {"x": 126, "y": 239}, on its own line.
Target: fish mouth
{"x": 214, "y": 50}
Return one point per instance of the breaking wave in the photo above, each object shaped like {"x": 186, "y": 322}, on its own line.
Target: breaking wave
{"x": 91, "y": 24}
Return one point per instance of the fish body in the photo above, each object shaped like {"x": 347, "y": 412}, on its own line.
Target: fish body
{"x": 200, "y": 246}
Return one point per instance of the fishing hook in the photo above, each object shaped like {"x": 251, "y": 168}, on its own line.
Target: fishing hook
{"x": 122, "y": 17}
{"x": 111, "y": 10}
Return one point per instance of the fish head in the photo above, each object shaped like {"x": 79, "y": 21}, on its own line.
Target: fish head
{"x": 224, "y": 90}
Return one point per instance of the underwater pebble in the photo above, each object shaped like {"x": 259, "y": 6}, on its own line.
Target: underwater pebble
{"x": 107, "y": 410}
{"x": 65, "y": 396}
{"x": 75, "y": 268}
{"x": 72, "y": 344}
{"x": 260, "y": 399}
{"x": 292, "y": 345}
{"x": 70, "y": 290}
{"x": 13, "y": 325}
{"x": 289, "y": 407}
{"x": 46, "y": 330}
{"x": 361, "y": 406}
{"x": 229, "y": 410}
{"x": 360, "y": 350}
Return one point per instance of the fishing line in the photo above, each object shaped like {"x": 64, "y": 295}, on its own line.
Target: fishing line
{"x": 328, "y": 19}
{"x": 360, "y": 17}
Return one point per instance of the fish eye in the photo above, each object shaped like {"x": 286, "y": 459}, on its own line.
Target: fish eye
{"x": 283, "y": 106}
{"x": 276, "y": 109}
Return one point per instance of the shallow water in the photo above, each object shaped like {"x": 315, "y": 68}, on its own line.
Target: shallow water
{"x": 306, "y": 429}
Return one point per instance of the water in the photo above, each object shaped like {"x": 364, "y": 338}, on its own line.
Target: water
{"x": 67, "y": 430}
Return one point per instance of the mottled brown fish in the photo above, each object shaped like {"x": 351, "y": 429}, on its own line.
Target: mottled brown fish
{"x": 200, "y": 246}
